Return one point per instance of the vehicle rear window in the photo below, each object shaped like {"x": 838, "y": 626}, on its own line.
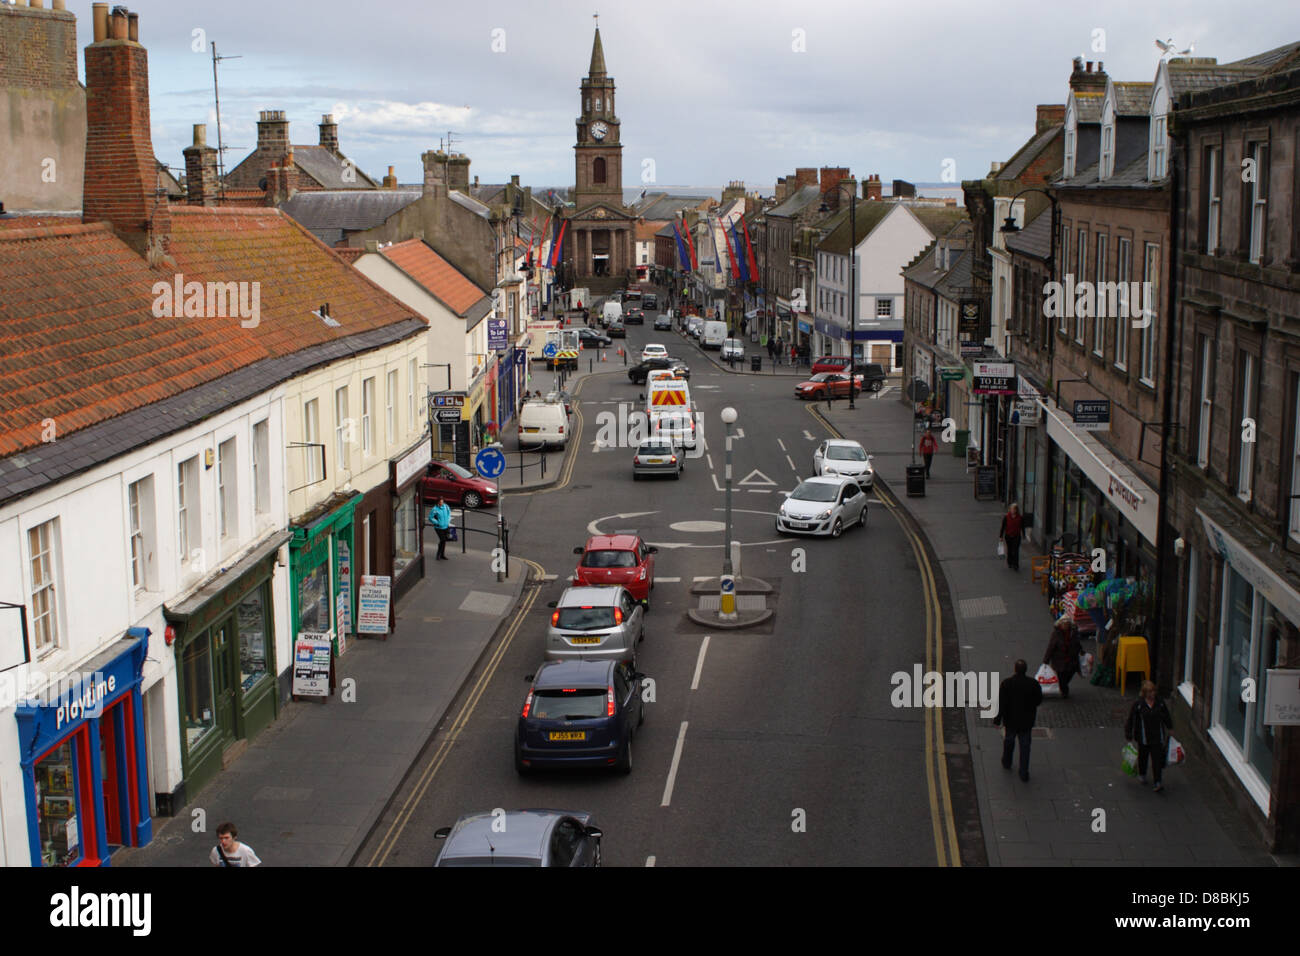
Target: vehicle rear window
{"x": 585, "y": 618}
{"x": 609, "y": 559}
{"x": 568, "y": 704}
{"x": 655, "y": 450}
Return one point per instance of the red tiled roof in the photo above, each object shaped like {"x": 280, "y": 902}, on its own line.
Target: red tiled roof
{"x": 418, "y": 260}
{"x": 82, "y": 344}
{"x": 349, "y": 254}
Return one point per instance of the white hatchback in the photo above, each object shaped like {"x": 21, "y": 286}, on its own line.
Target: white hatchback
{"x": 823, "y": 505}
{"x": 838, "y": 456}
{"x": 654, "y": 350}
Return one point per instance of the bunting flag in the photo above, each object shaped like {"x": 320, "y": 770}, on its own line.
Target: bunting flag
{"x": 749, "y": 251}
{"x": 742, "y": 266}
{"x": 717, "y": 253}
{"x": 733, "y": 250}
{"x": 682, "y": 256}
{"x": 542, "y": 251}
{"x": 695, "y": 264}
{"x": 558, "y": 248}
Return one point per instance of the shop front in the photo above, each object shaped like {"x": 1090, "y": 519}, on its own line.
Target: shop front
{"x": 408, "y": 525}
{"x": 475, "y": 413}
{"x": 83, "y": 758}
{"x": 321, "y": 584}
{"x": 223, "y": 638}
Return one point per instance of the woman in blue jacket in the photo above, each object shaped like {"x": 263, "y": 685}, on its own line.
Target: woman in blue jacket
{"x": 440, "y": 518}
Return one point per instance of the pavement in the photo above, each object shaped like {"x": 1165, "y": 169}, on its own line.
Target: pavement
{"x": 1078, "y": 808}
{"x": 309, "y": 789}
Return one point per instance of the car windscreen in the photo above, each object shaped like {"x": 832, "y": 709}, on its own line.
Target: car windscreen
{"x": 845, "y": 453}
{"x": 566, "y": 704}
{"x": 655, "y": 450}
{"x": 609, "y": 559}
{"x": 819, "y": 377}
{"x": 457, "y": 470}
{"x": 585, "y": 618}
{"x": 816, "y": 491}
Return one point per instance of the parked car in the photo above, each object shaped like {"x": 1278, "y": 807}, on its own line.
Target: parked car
{"x": 638, "y": 373}
{"x": 694, "y": 325}
{"x": 622, "y": 559}
{"x": 658, "y": 456}
{"x": 823, "y": 505}
{"x": 733, "y": 349}
{"x": 663, "y": 322}
{"x": 521, "y": 838}
{"x": 543, "y": 423}
{"x": 872, "y": 373}
{"x": 579, "y": 714}
{"x": 830, "y": 363}
{"x": 445, "y": 479}
{"x": 828, "y": 385}
{"x": 592, "y": 339}
{"x": 839, "y": 456}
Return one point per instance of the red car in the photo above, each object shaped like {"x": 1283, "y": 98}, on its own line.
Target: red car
{"x": 830, "y": 363}
{"x": 625, "y": 559}
{"x": 448, "y": 480}
{"x": 833, "y": 384}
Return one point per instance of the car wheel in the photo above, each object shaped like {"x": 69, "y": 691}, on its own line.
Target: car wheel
{"x": 876, "y": 385}
{"x": 472, "y": 500}
{"x": 624, "y": 764}
{"x": 837, "y": 529}
{"x": 521, "y": 768}
{"x": 596, "y": 862}
{"x": 677, "y": 475}
{"x": 640, "y": 717}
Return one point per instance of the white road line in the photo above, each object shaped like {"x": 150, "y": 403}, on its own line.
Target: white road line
{"x": 659, "y": 580}
{"x": 709, "y": 459}
{"x": 740, "y": 433}
{"x": 809, "y": 435}
{"x": 702, "y": 577}
{"x": 650, "y": 861}
{"x": 672, "y": 770}
{"x": 549, "y": 577}
{"x": 716, "y": 486}
{"x": 759, "y": 491}
{"x": 699, "y": 663}
{"x": 781, "y": 443}
{"x": 792, "y": 467}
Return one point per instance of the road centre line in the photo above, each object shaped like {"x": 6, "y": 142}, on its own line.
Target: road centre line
{"x": 650, "y": 861}
{"x": 672, "y": 770}
{"x": 659, "y": 580}
{"x": 699, "y": 663}
{"x": 703, "y": 577}
{"x": 709, "y": 458}
{"x": 792, "y": 467}
{"x": 781, "y": 443}
{"x": 759, "y": 491}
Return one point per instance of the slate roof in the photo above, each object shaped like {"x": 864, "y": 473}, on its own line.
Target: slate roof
{"x": 867, "y": 216}
{"x": 939, "y": 219}
{"x": 83, "y": 346}
{"x": 444, "y": 281}
{"x": 663, "y": 206}
{"x": 797, "y": 203}
{"x": 1018, "y": 163}
{"x": 470, "y": 203}
{"x": 922, "y": 270}
{"x": 1088, "y": 106}
{"x": 1195, "y": 74}
{"x": 957, "y": 282}
{"x": 1035, "y": 239}
{"x": 1132, "y": 99}
{"x": 329, "y": 214}
{"x": 1132, "y": 175}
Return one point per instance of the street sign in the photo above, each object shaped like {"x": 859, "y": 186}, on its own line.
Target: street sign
{"x": 954, "y": 373}
{"x": 1092, "y": 414}
{"x": 447, "y": 400}
{"x": 1027, "y": 412}
{"x": 448, "y": 416}
{"x": 498, "y": 333}
{"x": 550, "y": 350}
{"x": 490, "y": 462}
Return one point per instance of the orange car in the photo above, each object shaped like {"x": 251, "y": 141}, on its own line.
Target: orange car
{"x": 828, "y": 385}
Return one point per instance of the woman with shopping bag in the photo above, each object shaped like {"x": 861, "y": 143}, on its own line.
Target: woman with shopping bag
{"x": 1149, "y": 723}
{"x": 1009, "y": 536}
{"x": 1063, "y": 652}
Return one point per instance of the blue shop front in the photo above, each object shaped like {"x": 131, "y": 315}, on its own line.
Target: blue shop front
{"x": 82, "y": 752}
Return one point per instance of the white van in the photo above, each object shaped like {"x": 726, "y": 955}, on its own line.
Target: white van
{"x": 611, "y": 310}
{"x": 543, "y": 423}
{"x": 715, "y": 333}
{"x": 675, "y": 424}
{"x": 733, "y": 349}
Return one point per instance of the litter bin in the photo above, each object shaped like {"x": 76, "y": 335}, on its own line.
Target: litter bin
{"x": 959, "y": 446}
{"x": 756, "y": 363}
{"x": 916, "y": 481}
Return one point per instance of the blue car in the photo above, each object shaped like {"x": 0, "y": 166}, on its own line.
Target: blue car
{"x": 580, "y": 714}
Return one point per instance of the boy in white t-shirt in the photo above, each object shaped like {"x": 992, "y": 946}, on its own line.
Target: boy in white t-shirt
{"x": 229, "y": 851}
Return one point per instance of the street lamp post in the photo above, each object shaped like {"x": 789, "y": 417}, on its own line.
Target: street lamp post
{"x": 727, "y": 597}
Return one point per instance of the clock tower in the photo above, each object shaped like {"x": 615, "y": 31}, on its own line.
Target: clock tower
{"x": 600, "y": 235}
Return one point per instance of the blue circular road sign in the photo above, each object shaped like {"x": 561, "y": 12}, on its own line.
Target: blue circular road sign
{"x": 490, "y": 462}
{"x": 549, "y": 350}
{"x": 728, "y": 584}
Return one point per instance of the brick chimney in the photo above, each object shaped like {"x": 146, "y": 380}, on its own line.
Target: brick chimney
{"x": 435, "y": 172}
{"x": 121, "y": 173}
{"x": 872, "y": 188}
{"x": 458, "y": 172}
{"x": 803, "y": 176}
{"x": 1083, "y": 79}
{"x": 390, "y": 181}
{"x": 1049, "y": 115}
{"x": 329, "y": 133}
{"x": 272, "y": 138}
{"x": 200, "y": 170}
{"x": 781, "y": 191}
{"x": 281, "y": 181}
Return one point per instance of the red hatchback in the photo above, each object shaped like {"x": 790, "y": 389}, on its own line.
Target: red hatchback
{"x": 830, "y": 363}
{"x": 620, "y": 558}
{"x": 459, "y": 486}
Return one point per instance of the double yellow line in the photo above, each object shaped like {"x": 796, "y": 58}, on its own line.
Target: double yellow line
{"x": 413, "y": 798}
{"x": 936, "y": 762}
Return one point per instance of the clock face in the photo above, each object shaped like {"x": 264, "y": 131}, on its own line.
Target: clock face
{"x": 598, "y": 130}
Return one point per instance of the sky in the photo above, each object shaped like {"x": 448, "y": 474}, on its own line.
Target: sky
{"x": 707, "y": 91}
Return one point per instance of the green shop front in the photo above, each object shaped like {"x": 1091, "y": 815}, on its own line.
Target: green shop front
{"x": 223, "y": 636}
{"x": 322, "y": 588}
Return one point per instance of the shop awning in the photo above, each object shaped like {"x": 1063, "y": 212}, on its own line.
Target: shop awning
{"x": 1135, "y": 500}
{"x": 1259, "y": 575}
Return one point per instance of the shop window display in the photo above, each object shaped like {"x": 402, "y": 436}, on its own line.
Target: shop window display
{"x": 196, "y": 672}
{"x": 406, "y": 531}
{"x": 252, "y": 640}
{"x": 313, "y": 600}
{"x": 56, "y": 807}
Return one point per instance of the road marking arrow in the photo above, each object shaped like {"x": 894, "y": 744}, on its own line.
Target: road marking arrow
{"x": 753, "y": 479}
{"x": 809, "y": 435}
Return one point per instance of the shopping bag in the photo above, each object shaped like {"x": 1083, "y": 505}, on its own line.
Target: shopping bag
{"x": 1048, "y": 681}
{"x": 1129, "y": 759}
{"x": 1175, "y": 753}
{"x": 1086, "y": 661}
{"x": 451, "y": 533}
{"x": 1002, "y": 549}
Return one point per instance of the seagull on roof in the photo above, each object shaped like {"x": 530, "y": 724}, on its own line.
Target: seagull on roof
{"x": 1167, "y": 47}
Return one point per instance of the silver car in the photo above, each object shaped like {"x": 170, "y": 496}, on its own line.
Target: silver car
{"x": 595, "y": 624}
{"x": 658, "y": 456}
{"x": 823, "y": 505}
{"x": 521, "y": 838}
{"x": 838, "y": 456}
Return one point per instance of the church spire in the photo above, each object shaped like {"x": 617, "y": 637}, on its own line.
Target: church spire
{"x": 597, "y": 56}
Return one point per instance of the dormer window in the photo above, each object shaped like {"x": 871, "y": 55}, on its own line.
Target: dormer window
{"x": 1158, "y": 144}
{"x": 1071, "y": 126}
{"x": 1107, "y": 168}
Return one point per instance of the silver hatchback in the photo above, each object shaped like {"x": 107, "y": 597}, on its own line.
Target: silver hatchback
{"x": 595, "y": 624}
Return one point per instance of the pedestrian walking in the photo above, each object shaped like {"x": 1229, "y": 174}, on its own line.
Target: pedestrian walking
{"x": 1012, "y": 525}
{"x": 794, "y": 356}
{"x": 1018, "y": 699}
{"x": 927, "y": 448}
{"x": 440, "y": 518}
{"x": 771, "y": 349}
{"x": 1063, "y": 652}
{"x": 1149, "y": 723}
{"x": 229, "y": 851}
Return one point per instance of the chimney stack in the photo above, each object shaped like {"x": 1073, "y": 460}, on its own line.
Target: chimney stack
{"x": 121, "y": 184}
{"x": 435, "y": 173}
{"x": 872, "y": 188}
{"x": 200, "y": 170}
{"x": 329, "y": 133}
{"x": 458, "y": 172}
{"x": 390, "y": 181}
{"x": 1084, "y": 79}
{"x": 272, "y": 138}
{"x": 1049, "y": 115}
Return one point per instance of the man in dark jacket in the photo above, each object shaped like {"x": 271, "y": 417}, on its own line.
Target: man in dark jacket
{"x": 1149, "y": 721}
{"x": 1063, "y": 652}
{"x": 1018, "y": 699}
